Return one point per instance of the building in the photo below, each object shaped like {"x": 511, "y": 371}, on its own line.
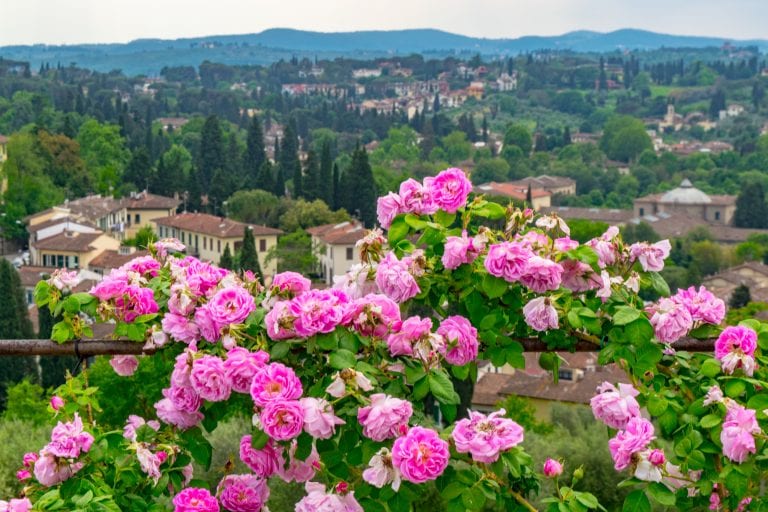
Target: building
{"x": 553, "y": 184}
{"x": 45, "y": 226}
{"x": 733, "y": 110}
{"x": 752, "y": 274}
{"x": 334, "y": 247}
{"x": 172, "y": 123}
{"x": 691, "y": 201}
{"x": 540, "y": 198}
{"x": 206, "y": 236}
{"x": 71, "y": 249}
{"x": 507, "y": 82}
{"x": 142, "y": 208}
{"x": 111, "y": 259}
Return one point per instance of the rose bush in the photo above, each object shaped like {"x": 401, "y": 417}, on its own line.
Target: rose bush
{"x": 354, "y": 395}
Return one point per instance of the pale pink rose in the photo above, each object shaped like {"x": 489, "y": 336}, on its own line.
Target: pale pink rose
{"x": 193, "y": 499}
{"x": 416, "y": 198}
{"x": 541, "y": 274}
{"x": 264, "y": 462}
{"x": 134, "y": 423}
{"x": 180, "y": 328}
{"x": 357, "y": 282}
{"x": 507, "y": 260}
{"x": 456, "y": 250}
{"x": 348, "y": 378}
{"x": 645, "y": 469}
{"x": 208, "y": 328}
{"x": 181, "y": 302}
{"x": 485, "y": 437}
{"x": 565, "y": 244}
{"x": 209, "y": 379}
{"x": 150, "y": 462}
{"x": 701, "y": 304}
{"x": 671, "y": 321}
{"x": 579, "y": 277}
{"x": 61, "y": 279}
{"x": 168, "y": 245}
{"x": 381, "y": 472}
{"x": 282, "y": 419}
{"x": 56, "y": 402}
{"x": 394, "y": 279}
{"x": 650, "y": 256}
{"x": 714, "y": 396}
{"x": 387, "y": 208}
{"x": 430, "y": 350}
{"x": 461, "y": 345}
{"x": 449, "y": 189}
{"x": 735, "y": 348}
{"x": 16, "y": 505}
{"x": 420, "y": 455}
{"x": 183, "y": 398}
{"x": 385, "y": 417}
{"x": 69, "y": 439}
{"x": 317, "y": 500}
{"x": 634, "y": 438}
{"x": 552, "y": 468}
{"x": 299, "y": 470}
{"x": 319, "y": 420}
{"x": 374, "y": 315}
{"x": 51, "y": 470}
{"x": 739, "y": 428}
{"x": 413, "y": 328}
{"x": 242, "y": 365}
{"x": 169, "y": 414}
{"x": 615, "y": 406}
{"x": 243, "y": 493}
{"x": 125, "y": 366}
{"x": 540, "y": 314}
{"x": 605, "y": 247}
{"x": 275, "y": 381}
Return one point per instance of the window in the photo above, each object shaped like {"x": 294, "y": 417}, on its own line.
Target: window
{"x": 182, "y": 237}
{"x": 350, "y": 253}
{"x": 218, "y": 245}
{"x": 196, "y": 243}
{"x": 717, "y": 215}
{"x": 262, "y": 245}
{"x": 565, "y": 374}
{"x": 137, "y": 218}
{"x": 205, "y": 243}
{"x": 642, "y": 212}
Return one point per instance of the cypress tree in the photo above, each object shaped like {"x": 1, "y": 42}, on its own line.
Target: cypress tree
{"x": 740, "y": 297}
{"x": 358, "y": 190}
{"x": 298, "y": 181}
{"x": 529, "y": 196}
{"x": 280, "y": 182}
{"x": 566, "y": 136}
{"x": 139, "y": 170}
{"x": 326, "y": 174}
{"x": 211, "y": 155}
{"x": 226, "y": 260}
{"x": 249, "y": 258}
{"x": 194, "y": 191}
{"x": 336, "y": 187}
{"x": 312, "y": 184}
{"x": 255, "y": 155}
{"x": 289, "y": 148}
{"x": 265, "y": 180}
{"x": 53, "y": 368}
{"x": 751, "y": 209}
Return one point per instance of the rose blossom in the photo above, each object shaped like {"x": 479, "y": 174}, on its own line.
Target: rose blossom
{"x": 634, "y": 438}
{"x": 449, "y": 189}
{"x": 150, "y": 462}
{"x": 209, "y": 379}
{"x": 180, "y": 328}
{"x": 193, "y": 499}
{"x": 265, "y": 461}
{"x": 282, "y": 419}
{"x": 56, "y": 402}
{"x": 355, "y": 379}
{"x": 394, "y": 279}
{"x": 461, "y": 340}
{"x": 279, "y": 321}
{"x": 649, "y": 465}
{"x": 387, "y": 208}
{"x": 579, "y": 277}
{"x": 374, "y": 315}
{"x": 61, "y": 279}
{"x": 385, "y": 417}
{"x": 21, "y": 475}
{"x": 298, "y": 470}
{"x": 381, "y": 472}
{"x": 69, "y": 439}
{"x": 565, "y": 244}
{"x": 125, "y": 366}
{"x": 230, "y": 306}
{"x": 168, "y": 413}
{"x": 317, "y": 311}
{"x": 275, "y": 381}
{"x": 540, "y": 314}
{"x": 51, "y": 470}
{"x": 291, "y": 283}
{"x": 735, "y": 348}
{"x": 242, "y": 493}
{"x": 485, "y": 437}
{"x": 615, "y": 406}
{"x": 552, "y": 468}
{"x": 702, "y": 305}
{"x": 605, "y": 247}
{"x": 714, "y": 395}
{"x": 317, "y": 500}
{"x": 739, "y": 428}
{"x": 541, "y": 274}
{"x": 166, "y": 245}
{"x": 420, "y": 455}
{"x": 413, "y": 328}
{"x": 357, "y": 282}
{"x": 507, "y": 260}
{"x": 134, "y": 423}
{"x": 241, "y": 365}
{"x": 143, "y": 265}
{"x": 319, "y": 420}
{"x": 459, "y": 250}
{"x": 16, "y": 505}
{"x": 29, "y": 459}
{"x": 651, "y": 256}
{"x": 183, "y": 398}
{"x": 671, "y": 321}
{"x": 416, "y": 198}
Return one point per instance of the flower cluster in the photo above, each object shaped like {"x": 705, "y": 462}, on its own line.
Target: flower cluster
{"x": 739, "y": 428}
{"x": 674, "y": 317}
{"x": 57, "y": 460}
{"x": 485, "y": 437}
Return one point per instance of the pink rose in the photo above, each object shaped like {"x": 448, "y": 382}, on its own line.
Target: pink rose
{"x": 615, "y": 406}
{"x": 134, "y": 302}
{"x": 565, "y": 244}
{"x": 264, "y": 462}
{"x": 460, "y": 338}
{"x": 146, "y": 266}
{"x": 552, "y": 468}
{"x": 16, "y": 505}
{"x": 299, "y": 470}
{"x": 395, "y": 280}
{"x": 605, "y": 247}
{"x": 449, "y": 189}
{"x": 69, "y": 439}
{"x": 125, "y": 366}
{"x": 242, "y": 493}
{"x": 209, "y": 379}
{"x": 413, "y": 328}
{"x": 735, "y": 348}
{"x": 374, "y": 315}
{"x": 193, "y": 499}
{"x": 671, "y": 321}
{"x": 541, "y": 274}
{"x": 230, "y": 306}
{"x": 282, "y": 419}
{"x": 635, "y": 438}
{"x": 540, "y": 314}
{"x": 416, "y": 198}
{"x": 51, "y": 470}
{"x": 291, "y": 283}
{"x": 737, "y": 436}
{"x": 183, "y": 398}
{"x": 485, "y": 437}
{"x": 579, "y": 277}
{"x": 241, "y": 366}
{"x": 134, "y": 423}
{"x": 381, "y": 472}
{"x": 180, "y": 328}
{"x": 275, "y": 381}
{"x": 317, "y": 500}
{"x": 317, "y": 311}
{"x": 168, "y": 245}
{"x": 57, "y": 402}
{"x": 113, "y": 285}
{"x": 420, "y": 455}
{"x": 385, "y": 417}
{"x": 650, "y": 256}
{"x": 169, "y": 414}
{"x": 507, "y": 260}
{"x": 387, "y": 208}
{"x": 461, "y": 250}
{"x": 319, "y": 420}
{"x": 279, "y": 321}
{"x": 29, "y": 459}
{"x": 702, "y": 305}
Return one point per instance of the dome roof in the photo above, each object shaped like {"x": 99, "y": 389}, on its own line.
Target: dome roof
{"x": 686, "y": 193}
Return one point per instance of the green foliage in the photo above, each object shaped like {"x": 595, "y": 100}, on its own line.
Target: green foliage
{"x": 294, "y": 252}
{"x": 624, "y": 138}
{"x": 248, "y": 258}
{"x": 751, "y": 208}
{"x": 523, "y": 412}
{"x": 740, "y": 297}
{"x": 583, "y": 230}
{"x": 518, "y": 135}
{"x": 227, "y": 261}
{"x": 17, "y": 439}
{"x": 26, "y": 402}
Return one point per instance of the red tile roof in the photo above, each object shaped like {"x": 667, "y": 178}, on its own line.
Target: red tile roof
{"x": 343, "y": 233}
{"x": 110, "y": 259}
{"x": 146, "y": 201}
{"x": 515, "y": 191}
{"x": 211, "y": 225}
{"x": 69, "y": 241}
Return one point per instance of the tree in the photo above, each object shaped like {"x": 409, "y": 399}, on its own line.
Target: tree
{"x": 716, "y": 104}
{"x": 254, "y": 207}
{"x": 326, "y": 174}
{"x": 518, "y": 135}
{"x": 265, "y": 179}
{"x": 336, "y": 203}
{"x": 14, "y": 324}
{"x": 298, "y": 181}
{"x": 289, "y": 153}
{"x": 293, "y": 252}
{"x": 624, "y": 138}
{"x": 751, "y": 208}
{"x": 740, "y": 297}
{"x": 211, "y": 155}
{"x": 139, "y": 171}
{"x": 303, "y": 214}
{"x": 53, "y": 369}
{"x": 358, "y": 190}
{"x": 312, "y": 182}
{"x": 249, "y": 258}
{"x": 226, "y": 260}
{"x": 255, "y": 155}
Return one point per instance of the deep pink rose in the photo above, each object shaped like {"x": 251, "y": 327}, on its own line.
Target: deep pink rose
{"x": 230, "y": 305}
{"x": 282, "y": 419}
{"x": 374, "y": 315}
{"x": 416, "y": 198}
{"x": 387, "y": 208}
{"x": 209, "y": 379}
{"x": 317, "y": 311}
{"x": 51, "y": 470}
{"x": 385, "y": 417}
{"x": 180, "y": 328}
{"x": 735, "y": 348}
{"x": 671, "y": 321}
{"x": 279, "y": 321}
{"x": 275, "y": 381}
{"x": 411, "y": 329}
{"x": 701, "y": 304}
{"x": 541, "y": 274}
{"x": 507, "y": 260}
{"x": 147, "y": 266}
{"x": 243, "y": 493}
{"x": 193, "y": 499}
{"x": 169, "y": 414}
{"x": 69, "y": 440}
{"x": 552, "y": 468}
{"x": 265, "y": 461}
{"x": 184, "y": 398}
{"x": 291, "y": 283}
{"x": 459, "y": 250}
{"x": 317, "y": 500}
{"x": 420, "y": 455}
{"x": 395, "y": 280}
{"x": 449, "y": 189}
{"x": 134, "y": 302}
{"x": 461, "y": 345}
{"x": 242, "y": 365}
{"x": 634, "y": 438}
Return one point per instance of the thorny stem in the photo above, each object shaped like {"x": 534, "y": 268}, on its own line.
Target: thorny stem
{"x": 522, "y": 501}
{"x": 89, "y": 407}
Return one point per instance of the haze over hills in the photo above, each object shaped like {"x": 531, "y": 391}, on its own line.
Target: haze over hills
{"x": 148, "y": 56}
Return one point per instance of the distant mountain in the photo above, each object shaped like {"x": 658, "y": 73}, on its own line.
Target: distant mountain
{"x": 148, "y": 56}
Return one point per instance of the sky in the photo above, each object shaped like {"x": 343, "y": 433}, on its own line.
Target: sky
{"x": 101, "y": 21}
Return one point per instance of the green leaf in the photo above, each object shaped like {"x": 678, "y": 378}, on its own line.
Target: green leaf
{"x": 705, "y": 331}
{"x": 661, "y": 494}
{"x": 490, "y": 210}
{"x": 62, "y": 332}
{"x": 199, "y": 447}
{"x": 398, "y": 230}
{"x": 279, "y": 350}
{"x": 452, "y": 490}
{"x": 414, "y": 221}
{"x": 657, "y": 405}
{"x": 444, "y": 218}
{"x": 442, "y": 388}
{"x": 420, "y": 389}
{"x": 587, "y": 499}
{"x": 625, "y": 315}
{"x": 758, "y": 402}
{"x": 710, "y": 368}
{"x": 734, "y": 388}
{"x": 659, "y": 284}
{"x": 327, "y": 341}
{"x": 710, "y": 421}
{"x": 342, "y": 359}
{"x": 636, "y": 501}
{"x": 639, "y": 330}
{"x": 494, "y": 287}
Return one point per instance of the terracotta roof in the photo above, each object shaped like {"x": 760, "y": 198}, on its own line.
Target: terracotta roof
{"x": 211, "y": 225}
{"x": 60, "y": 220}
{"x": 70, "y": 241}
{"x": 343, "y": 233}
{"x": 3, "y": 139}
{"x": 545, "y": 181}
{"x": 31, "y": 275}
{"x": 94, "y": 207}
{"x": 611, "y": 216}
{"x": 110, "y": 259}
{"x": 510, "y": 189}
{"x": 146, "y": 201}
{"x": 678, "y": 224}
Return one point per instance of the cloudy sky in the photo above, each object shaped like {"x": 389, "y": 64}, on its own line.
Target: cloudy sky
{"x": 78, "y": 21}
